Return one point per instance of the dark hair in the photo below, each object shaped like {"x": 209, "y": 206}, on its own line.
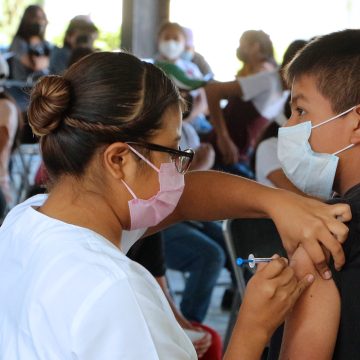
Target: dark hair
{"x": 292, "y": 50}
{"x": 169, "y": 25}
{"x": 103, "y": 98}
{"x": 29, "y": 14}
{"x": 78, "y": 54}
{"x": 334, "y": 61}
{"x": 263, "y": 39}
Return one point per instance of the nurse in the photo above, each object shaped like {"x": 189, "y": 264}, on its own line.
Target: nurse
{"x": 110, "y": 129}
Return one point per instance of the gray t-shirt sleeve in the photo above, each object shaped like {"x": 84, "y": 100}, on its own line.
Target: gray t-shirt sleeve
{"x": 19, "y": 47}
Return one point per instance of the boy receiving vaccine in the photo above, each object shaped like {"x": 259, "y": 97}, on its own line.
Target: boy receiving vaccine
{"x": 320, "y": 153}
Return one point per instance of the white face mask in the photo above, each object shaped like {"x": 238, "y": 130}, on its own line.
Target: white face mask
{"x": 171, "y": 49}
{"x": 311, "y": 172}
{"x": 187, "y": 55}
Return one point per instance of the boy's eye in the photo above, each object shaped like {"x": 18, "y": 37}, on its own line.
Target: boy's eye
{"x": 300, "y": 111}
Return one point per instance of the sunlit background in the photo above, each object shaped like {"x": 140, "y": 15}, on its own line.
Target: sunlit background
{"x": 217, "y": 25}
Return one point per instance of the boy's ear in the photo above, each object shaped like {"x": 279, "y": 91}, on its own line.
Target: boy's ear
{"x": 115, "y": 158}
{"x": 355, "y": 135}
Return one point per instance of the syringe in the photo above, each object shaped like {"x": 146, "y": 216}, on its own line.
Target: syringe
{"x": 251, "y": 261}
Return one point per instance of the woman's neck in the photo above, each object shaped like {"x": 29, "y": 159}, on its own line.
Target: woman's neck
{"x": 74, "y": 204}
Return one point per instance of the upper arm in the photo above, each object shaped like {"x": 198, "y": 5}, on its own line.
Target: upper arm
{"x": 222, "y": 90}
{"x": 4, "y": 137}
{"x": 279, "y": 179}
{"x": 311, "y": 328}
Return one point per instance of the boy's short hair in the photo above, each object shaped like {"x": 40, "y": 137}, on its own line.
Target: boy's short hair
{"x": 334, "y": 61}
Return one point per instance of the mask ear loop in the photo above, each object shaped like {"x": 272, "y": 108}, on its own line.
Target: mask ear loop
{"x": 128, "y": 188}
{"x": 345, "y": 148}
{"x": 143, "y": 158}
{"x": 333, "y": 118}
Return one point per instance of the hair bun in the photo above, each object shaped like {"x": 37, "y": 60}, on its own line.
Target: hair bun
{"x": 49, "y": 102}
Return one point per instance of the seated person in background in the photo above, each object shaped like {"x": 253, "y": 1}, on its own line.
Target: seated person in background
{"x": 149, "y": 252}
{"x": 254, "y": 97}
{"x": 319, "y": 152}
{"x": 190, "y": 54}
{"x": 266, "y": 163}
{"x": 31, "y": 50}
{"x": 171, "y": 45}
{"x": 9, "y": 121}
{"x": 196, "y": 248}
{"x": 80, "y": 33}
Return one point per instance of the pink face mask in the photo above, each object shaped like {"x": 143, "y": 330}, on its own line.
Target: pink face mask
{"x": 150, "y": 212}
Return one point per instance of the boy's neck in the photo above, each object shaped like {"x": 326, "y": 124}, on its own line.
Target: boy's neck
{"x": 348, "y": 174}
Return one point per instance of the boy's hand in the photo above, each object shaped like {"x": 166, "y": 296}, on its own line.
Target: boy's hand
{"x": 312, "y": 224}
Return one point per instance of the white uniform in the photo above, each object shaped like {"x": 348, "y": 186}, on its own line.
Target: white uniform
{"x": 265, "y": 91}
{"x": 266, "y": 160}
{"x": 68, "y": 293}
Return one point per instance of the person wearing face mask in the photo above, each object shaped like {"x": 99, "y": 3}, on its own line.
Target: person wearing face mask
{"x": 110, "y": 130}
{"x": 319, "y": 152}
{"x": 254, "y": 98}
{"x": 31, "y": 50}
{"x": 190, "y": 54}
{"x": 171, "y": 45}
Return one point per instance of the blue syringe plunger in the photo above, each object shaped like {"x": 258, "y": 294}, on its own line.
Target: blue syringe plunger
{"x": 251, "y": 261}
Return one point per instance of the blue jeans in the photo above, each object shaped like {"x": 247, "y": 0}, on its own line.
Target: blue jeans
{"x": 194, "y": 249}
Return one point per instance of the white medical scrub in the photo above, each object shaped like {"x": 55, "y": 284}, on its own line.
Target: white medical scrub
{"x": 266, "y": 92}
{"x": 68, "y": 293}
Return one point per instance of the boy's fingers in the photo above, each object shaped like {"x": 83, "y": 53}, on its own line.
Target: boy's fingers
{"x": 342, "y": 212}
{"x": 339, "y": 230}
{"x": 335, "y": 248}
{"x": 318, "y": 258}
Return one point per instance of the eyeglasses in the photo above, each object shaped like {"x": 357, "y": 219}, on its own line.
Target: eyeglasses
{"x": 181, "y": 158}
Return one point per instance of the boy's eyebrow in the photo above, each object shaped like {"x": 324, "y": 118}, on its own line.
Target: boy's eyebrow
{"x": 295, "y": 98}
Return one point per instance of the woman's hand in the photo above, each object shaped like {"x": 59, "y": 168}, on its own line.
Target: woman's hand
{"x": 270, "y": 295}
{"x": 202, "y": 345}
{"x": 312, "y": 224}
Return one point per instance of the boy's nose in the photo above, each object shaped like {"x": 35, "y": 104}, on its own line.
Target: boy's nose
{"x": 292, "y": 121}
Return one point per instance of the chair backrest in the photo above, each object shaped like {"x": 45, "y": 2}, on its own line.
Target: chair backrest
{"x": 250, "y": 236}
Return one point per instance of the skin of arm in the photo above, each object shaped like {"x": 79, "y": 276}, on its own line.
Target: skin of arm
{"x": 211, "y": 195}
{"x": 204, "y": 157}
{"x": 35, "y": 63}
{"x": 279, "y": 179}
{"x": 199, "y": 106}
{"x": 216, "y": 91}
{"x": 311, "y": 328}
{"x": 4, "y": 138}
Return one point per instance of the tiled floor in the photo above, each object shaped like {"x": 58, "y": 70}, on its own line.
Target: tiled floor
{"x": 216, "y": 317}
